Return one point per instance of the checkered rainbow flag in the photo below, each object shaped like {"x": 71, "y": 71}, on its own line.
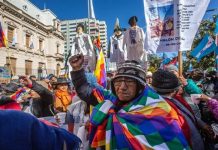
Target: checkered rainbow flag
{"x": 147, "y": 122}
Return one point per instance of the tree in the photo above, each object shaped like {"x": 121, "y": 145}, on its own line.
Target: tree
{"x": 206, "y": 27}
{"x": 154, "y": 62}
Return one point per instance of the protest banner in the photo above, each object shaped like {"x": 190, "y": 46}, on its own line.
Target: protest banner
{"x": 172, "y": 24}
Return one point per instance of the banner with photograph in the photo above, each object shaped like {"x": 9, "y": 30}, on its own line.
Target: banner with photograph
{"x": 172, "y": 24}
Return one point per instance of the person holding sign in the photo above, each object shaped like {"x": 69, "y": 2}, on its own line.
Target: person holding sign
{"x": 131, "y": 115}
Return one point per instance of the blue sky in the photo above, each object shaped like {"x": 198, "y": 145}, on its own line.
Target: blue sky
{"x": 107, "y": 10}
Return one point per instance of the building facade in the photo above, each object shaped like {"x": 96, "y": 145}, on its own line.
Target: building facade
{"x": 35, "y": 42}
{"x": 95, "y": 27}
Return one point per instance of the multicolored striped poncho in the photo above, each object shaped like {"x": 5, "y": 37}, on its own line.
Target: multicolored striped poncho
{"x": 148, "y": 122}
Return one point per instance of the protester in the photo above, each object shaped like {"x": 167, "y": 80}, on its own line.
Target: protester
{"x": 202, "y": 125}
{"x": 22, "y": 131}
{"x": 63, "y": 96}
{"x": 79, "y": 111}
{"x": 41, "y": 106}
{"x": 33, "y": 77}
{"x": 188, "y": 84}
{"x": 130, "y": 111}
{"x": 167, "y": 85}
{"x": 6, "y": 102}
{"x": 212, "y": 104}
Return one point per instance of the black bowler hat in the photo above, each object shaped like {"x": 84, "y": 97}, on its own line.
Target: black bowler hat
{"x": 61, "y": 81}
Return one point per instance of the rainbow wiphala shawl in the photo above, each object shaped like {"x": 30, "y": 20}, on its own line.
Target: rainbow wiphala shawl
{"x": 148, "y": 122}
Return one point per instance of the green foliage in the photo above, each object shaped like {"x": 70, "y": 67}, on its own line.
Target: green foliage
{"x": 206, "y": 27}
{"x": 154, "y": 62}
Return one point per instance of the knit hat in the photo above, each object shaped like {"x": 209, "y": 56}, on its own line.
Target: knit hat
{"x": 171, "y": 68}
{"x": 164, "y": 81}
{"x": 132, "y": 20}
{"x": 131, "y": 69}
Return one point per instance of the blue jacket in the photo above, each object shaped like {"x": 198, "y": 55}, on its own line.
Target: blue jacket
{"x": 21, "y": 131}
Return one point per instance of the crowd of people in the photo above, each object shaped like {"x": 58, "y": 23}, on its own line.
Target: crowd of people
{"x": 137, "y": 110}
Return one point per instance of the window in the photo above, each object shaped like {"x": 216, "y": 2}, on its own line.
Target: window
{"x": 41, "y": 69}
{"x": 28, "y": 67}
{"x": 72, "y": 24}
{"x": 10, "y": 34}
{"x": 27, "y": 40}
{"x": 58, "y": 48}
{"x": 12, "y": 64}
{"x": 40, "y": 44}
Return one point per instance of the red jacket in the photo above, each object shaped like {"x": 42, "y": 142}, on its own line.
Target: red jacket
{"x": 11, "y": 105}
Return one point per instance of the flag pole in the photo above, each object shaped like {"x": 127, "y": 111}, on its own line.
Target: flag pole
{"x": 180, "y": 63}
{"x": 88, "y": 18}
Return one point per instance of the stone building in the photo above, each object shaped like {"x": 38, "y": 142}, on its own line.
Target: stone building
{"x": 35, "y": 42}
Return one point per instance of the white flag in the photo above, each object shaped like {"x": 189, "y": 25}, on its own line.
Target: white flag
{"x": 172, "y": 24}
{"x": 91, "y": 10}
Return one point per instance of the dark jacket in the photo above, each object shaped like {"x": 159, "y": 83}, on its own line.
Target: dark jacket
{"x": 83, "y": 88}
{"x": 41, "y": 107}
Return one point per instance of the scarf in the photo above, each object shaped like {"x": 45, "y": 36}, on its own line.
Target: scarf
{"x": 147, "y": 122}
{"x": 62, "y": 99}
